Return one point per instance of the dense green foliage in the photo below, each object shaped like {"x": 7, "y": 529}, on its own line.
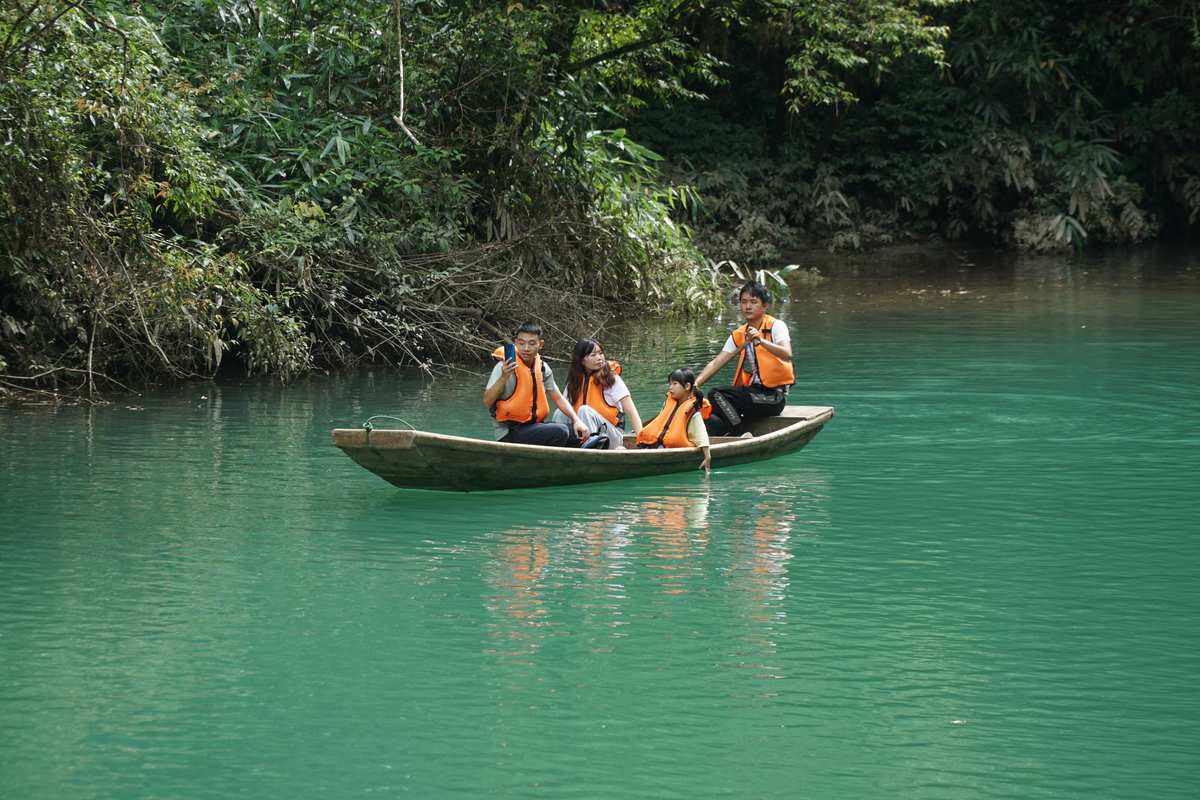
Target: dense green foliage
{"x": 183, "y": 179}
{"x": 307, "y": 183}
{"x": 1051, "y": 125}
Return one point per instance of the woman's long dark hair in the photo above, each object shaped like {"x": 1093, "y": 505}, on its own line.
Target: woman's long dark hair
{"x": 604, "y": 376}
{"x": 684, "y": 376}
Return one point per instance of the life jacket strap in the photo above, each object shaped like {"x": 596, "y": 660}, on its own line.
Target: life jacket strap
{"x": 667, "y": 425}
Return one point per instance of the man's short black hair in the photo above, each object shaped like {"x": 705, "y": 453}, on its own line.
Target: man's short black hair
{"x": 755, "y": 289}
{"x": 529, "y": 327}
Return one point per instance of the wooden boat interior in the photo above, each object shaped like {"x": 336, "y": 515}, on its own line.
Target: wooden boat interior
{"x": 789, "y": 416}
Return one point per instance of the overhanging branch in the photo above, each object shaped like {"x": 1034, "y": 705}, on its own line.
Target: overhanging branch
{"x": 632, "y": 47}
{"x": 616, "y": 52}
{"x": 399, "y": 118}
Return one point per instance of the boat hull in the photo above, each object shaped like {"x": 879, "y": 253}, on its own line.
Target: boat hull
{"x": 422, "y": 460}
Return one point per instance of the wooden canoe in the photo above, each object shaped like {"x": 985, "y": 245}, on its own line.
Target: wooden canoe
{"x": 420, "y": 460}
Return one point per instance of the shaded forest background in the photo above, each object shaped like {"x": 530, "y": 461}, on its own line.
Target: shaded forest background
{"x": 290, "y": 184}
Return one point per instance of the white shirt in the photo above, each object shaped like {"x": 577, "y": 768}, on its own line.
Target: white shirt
{"x": 779, "y": 336}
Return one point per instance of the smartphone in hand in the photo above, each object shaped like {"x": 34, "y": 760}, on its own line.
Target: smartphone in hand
{"x": 510, "y": 352}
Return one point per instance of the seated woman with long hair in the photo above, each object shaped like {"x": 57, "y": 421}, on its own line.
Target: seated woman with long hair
{"x": 597, "y": 393}
{"x": 681, "y": 421}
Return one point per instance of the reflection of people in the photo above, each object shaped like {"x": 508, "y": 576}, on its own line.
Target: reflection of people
{"x": 680, "y": 423}
{"x": 675, "y": 519}
{"x": 597, "y": 393}
{"x": 766, "y": 579}
{"x": 517, "y": 394}
{"x": 678, "y": 528}
{"x": 515, "y": 576}
{"x": 764, "y": 368}
{"x": 526, "y": 560}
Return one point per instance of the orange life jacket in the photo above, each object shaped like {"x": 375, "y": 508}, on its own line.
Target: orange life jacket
{"x": 669, "y": 428}
{"x": 773, "y": 371}
{"x": 527, "y": 403}
{"x": 593, "y": 395}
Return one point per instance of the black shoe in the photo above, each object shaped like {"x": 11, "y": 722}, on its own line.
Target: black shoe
{"x": 597, "y": 441}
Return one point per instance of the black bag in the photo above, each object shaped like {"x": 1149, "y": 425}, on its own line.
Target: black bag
{"x": 597, "y": 441}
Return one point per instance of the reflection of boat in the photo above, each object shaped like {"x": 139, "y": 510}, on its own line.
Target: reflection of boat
{"x": 420, "y": 460}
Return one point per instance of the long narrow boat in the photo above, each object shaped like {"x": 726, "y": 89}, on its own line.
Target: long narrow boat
{"x": 419, "y": 460}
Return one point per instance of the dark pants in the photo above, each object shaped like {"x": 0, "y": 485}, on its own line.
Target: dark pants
{"x": 734, "y": 406}
{"x": 551, "y": 434}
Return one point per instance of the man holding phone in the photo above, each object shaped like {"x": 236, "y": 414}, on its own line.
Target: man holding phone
{"x": 519, "y": 392}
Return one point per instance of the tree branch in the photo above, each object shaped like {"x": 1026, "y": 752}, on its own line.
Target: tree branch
{"x": 26, "y": 13}
{"x": 617, "y": 52}
{"x": 632, "y": 47}
{"x": 71, "y": 5}
{"x": 400, "y": 53}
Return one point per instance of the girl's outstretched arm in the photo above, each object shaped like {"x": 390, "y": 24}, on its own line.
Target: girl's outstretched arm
{"x": 631, "y": 414}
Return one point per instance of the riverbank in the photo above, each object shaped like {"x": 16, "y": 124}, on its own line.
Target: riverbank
{"x": 897, "y": 275}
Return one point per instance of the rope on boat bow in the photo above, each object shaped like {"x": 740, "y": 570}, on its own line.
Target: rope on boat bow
{"x": 368, "y": 427}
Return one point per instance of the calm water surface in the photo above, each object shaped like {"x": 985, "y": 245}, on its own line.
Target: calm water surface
{"x": 981, "y": 580}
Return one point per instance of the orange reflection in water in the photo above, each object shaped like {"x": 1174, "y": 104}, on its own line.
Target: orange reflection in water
{"x": 770, "y": 554}
{"x": 759, "y": 580}
{"x": 515, "y": 576}
{"x": 589, "y": 565}
{"x": 679, "y": 529}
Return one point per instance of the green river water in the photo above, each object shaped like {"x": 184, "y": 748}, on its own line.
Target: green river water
{"x": 981, "y": 580}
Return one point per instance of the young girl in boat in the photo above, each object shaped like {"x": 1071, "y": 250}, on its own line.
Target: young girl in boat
{"x": 681, "y": 421}
{"x": 599, "y": 396}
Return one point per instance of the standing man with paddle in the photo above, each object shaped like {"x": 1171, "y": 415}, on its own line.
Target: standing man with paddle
{"x": 519, "y": 393}
{"x": 764, "y": 368}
